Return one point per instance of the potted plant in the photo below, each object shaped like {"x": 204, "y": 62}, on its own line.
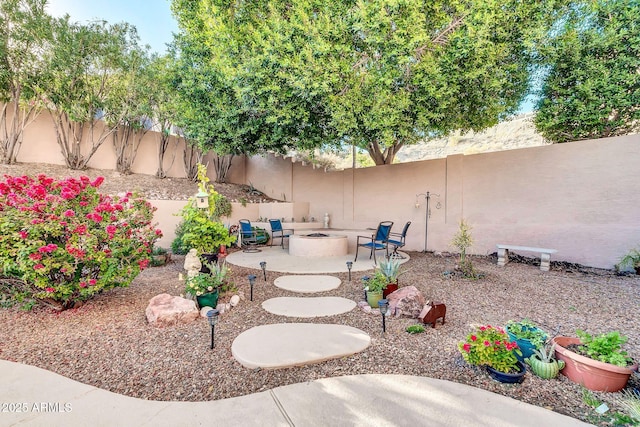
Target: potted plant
{"x": 630, "y": 260}
{"x": 390, "y": 268}
{"x": 201, "y": 228}
{"x": 490, "y": 347}
{"x": 374, "y": 288}
{"x": 598, "y": 363}
{"x": 543, "y": 361}
{"x": 206, "y": 287}
{"x": 527, "y": 335}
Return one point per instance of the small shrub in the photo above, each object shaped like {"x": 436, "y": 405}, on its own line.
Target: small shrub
{"x": 415, "y": 329}
{"x": 67, "y": 242}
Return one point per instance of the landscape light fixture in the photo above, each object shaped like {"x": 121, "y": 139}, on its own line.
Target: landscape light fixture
{"x": 349, "y": 266}
{"x": 212, "y": 317}
{"x": 252, "y": 281}
{"x": 263, "y": 266}
{"x": 365, "y": 282}
{"x": 427, "y": 214}
{"x": 383, "y": 305}
{"x": 202, "y": 200}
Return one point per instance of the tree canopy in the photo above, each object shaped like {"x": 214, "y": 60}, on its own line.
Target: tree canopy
{"x": 378, "y": 74}
{"x": 592, "y": 88}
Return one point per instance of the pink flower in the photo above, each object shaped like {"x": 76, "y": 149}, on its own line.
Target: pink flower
{"x": 482, "y": 328}
{"x": 158, "y": 232}
{"x": 69, "y": 213}
{"x": 111, "y": 230}
{"x": 23, "y": 234}
{"x": 467, "y": 347}
{"x": 143, "y": 263}
{"x": 38, "y": 266}
{"x": 83, "y": 284}
{"x": 487, "y": 343}
{"x": 473, "y": 337}
{"x": 98, "y": 181}
{"x": 50, "y": 290}
{"x": 35, "y": 256}
{"x": 92, "y": 282}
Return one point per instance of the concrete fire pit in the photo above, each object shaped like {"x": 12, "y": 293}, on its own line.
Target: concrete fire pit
{"x": 318, "y": 245}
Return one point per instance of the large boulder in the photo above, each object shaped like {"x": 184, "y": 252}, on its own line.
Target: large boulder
{"x": 407, "y": 301}
{"x": 165, "y": 310}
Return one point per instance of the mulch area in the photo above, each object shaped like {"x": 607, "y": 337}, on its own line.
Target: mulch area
{"x": 108, "y": 343}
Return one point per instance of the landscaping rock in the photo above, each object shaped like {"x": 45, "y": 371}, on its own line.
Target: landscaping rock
{"x": 407, "y": 301}
{"x": 364, "y": 306}
{"x": 234, "y": 300}
{"x": 166, "y": 310}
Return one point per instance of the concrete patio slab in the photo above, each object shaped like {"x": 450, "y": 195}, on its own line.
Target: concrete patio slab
{"x": 279, "y": 260}
{"x": 360, "y": 400}
{"x": 296, "y": 344}
{"x": 307, "y": 283}
{"x": 308, "y": 307}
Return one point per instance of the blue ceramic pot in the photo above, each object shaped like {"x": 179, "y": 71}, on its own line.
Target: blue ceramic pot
{"x": 526, "y": 347}
{"x": 506, "y": 378}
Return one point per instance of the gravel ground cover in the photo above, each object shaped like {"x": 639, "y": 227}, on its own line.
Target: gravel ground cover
{"x": 108, "y": 343}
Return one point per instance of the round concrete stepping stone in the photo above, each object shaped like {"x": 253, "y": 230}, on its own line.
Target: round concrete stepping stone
{"x": 307, "y": 283}
{"x": 296, "y": 344}
{"x": 308, "y": 307}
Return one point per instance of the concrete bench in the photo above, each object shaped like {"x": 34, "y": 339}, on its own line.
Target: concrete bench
{"x": 545, "y": 254}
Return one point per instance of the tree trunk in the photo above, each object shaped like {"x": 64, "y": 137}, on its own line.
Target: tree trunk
{"x": 191, "y": 157}
{"x": 222, "y": 165}
{"x": 385, "y": 157}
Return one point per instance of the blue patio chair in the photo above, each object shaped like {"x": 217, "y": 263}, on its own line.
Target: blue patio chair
{"x": 377, "y": 241}
{"x": 248, "y": 236}
{"x": 278, "y": 232}
{"x": 397, "y": 240}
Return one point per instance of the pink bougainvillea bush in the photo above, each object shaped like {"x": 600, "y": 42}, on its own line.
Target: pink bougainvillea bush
{"x": 67, "y": 242}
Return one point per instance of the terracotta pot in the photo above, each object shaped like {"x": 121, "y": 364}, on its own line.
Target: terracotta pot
{"x": 592, "y": 374}
{"x": 391, "y": 287}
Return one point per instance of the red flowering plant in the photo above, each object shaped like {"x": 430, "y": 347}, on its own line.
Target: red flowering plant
{"x": 67, "y": 242}
{"x": 490, "y": 346}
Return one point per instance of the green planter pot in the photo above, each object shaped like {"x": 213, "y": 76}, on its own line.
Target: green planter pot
{"x": 546, "y": 370}
{"x": 208, "y": 300}
{"x": 373, "y": 298}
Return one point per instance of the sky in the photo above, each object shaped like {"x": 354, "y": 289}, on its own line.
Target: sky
{"x": 152, "y": 18}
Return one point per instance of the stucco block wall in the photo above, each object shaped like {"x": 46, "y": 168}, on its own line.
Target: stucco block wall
{"x": 580, "y": 198}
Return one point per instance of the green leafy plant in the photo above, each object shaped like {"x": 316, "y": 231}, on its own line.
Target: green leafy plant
{"x": 216, "y": 279}
{"x": 589, "y": 399}
{"x": 67, "y": 242}
{"x": 490, "y": 346}
{"x": 377, "y": 283}
{"x": 527, "y": 330}
{"x": 415, "y": 329}
{"x": 200, "y": 227}
{"x": 630, "y": 260}
{"x": 604, "y": 347}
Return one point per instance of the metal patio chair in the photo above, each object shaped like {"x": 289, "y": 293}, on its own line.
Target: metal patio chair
{"x": 377, "y": 241}
{"x": 278, "y": 232}
{"x": 397, "y": 240}
{"x": 248, "y": 236}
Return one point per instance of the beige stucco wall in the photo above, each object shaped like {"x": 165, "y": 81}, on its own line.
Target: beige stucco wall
{"x": 580, "y": 198}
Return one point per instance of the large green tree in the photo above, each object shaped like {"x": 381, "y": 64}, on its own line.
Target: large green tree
{"x": 378, "y": 74}
{"x": 592, "y": 89}
{"x": 24, "y": 38}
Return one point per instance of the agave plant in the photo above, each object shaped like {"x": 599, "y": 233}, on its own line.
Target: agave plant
{"x": 390, "y": 268}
